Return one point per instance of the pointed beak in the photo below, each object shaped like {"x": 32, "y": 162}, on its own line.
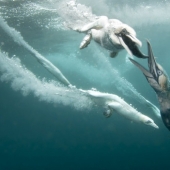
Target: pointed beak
{"x": 150, "y": 78}
{"x": 130, "y": 43}
{"x": 143, "y": 69}
{"x": 134, "y": 39}
{"x": 125, "y": 46}
{"x": 156, "y": 70}
{"x": 154, "y": 125}
{"x": 153, "y": 67}
{"x": 155, "y": 75}
{"x": 158, "y": 80}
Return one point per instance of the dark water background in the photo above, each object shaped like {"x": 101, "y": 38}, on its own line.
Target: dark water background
{"x": 38, "y": 135}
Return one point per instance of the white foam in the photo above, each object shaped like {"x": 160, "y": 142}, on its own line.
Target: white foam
{"x": 143, "y": 15}
{"x": 41, "y": 59}
{"x": 122, "y": 84}
{"x": 74, "y": 13}
{"x": 21, "y": 79}
{"x": 62, "y": 14}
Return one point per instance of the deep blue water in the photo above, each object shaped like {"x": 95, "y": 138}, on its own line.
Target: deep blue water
{"x": 43, "y": 133}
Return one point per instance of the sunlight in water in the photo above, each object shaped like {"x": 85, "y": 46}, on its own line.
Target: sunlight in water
{"x": 81, "y": 15}
{"x": 23, "y": 80}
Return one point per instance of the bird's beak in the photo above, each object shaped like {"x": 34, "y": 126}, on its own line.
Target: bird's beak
{"x": 130, "y": 43}
{"x": 155, "y": 75}
{"x": 154, "y": 125}
{"x": 158, "y": 80}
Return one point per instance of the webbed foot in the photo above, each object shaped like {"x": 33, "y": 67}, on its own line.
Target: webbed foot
{"x": 107, "y": 113}
{"x": 86, "y": 40}
{"x": 113, "y": 54}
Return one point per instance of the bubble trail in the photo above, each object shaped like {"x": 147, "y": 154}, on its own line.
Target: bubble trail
{"x": 23, "y": 80}
{"x": 42, "y": 60}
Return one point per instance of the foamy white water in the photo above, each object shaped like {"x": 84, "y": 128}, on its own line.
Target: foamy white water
{"x": 75, "y": 9}
{"x": 23, "y": 80}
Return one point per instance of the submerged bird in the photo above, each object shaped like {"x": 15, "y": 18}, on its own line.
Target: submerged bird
{"x": 112, "y": 35}
{"x": 159, "y": 81}
{"x": 111, "y": 101}
{"x": 114, "y": 103}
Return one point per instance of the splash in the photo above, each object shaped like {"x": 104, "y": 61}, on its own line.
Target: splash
{"x": 58, "y": 13}
{"x": 143, "y": 15}
{"x": 121, "y": 84}
{"x": 75, "y": 14}
{"x": 42, "y": 60}
{"x": 21, "y": 79}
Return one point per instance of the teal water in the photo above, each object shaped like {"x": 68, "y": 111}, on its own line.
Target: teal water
{"x": 44, "y": 129}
